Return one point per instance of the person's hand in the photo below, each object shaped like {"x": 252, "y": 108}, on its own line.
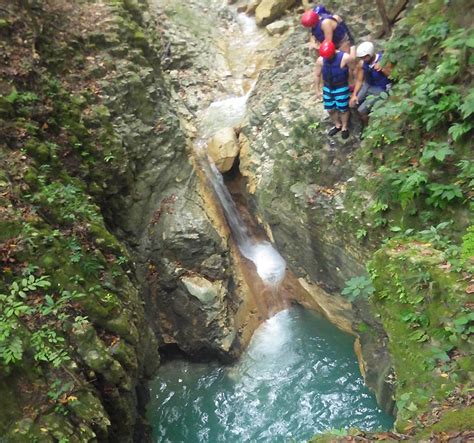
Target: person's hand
{"x": 319, "y": 94}
{"x": 377, "y": 67}
{"x": 353, "y": 101}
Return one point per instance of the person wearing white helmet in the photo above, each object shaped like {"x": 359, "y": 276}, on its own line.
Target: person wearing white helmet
{"x": 371, "y": 80}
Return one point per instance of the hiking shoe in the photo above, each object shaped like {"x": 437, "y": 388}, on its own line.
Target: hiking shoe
{"x": 345, "y": 134}
{"x": 333, "y": 131}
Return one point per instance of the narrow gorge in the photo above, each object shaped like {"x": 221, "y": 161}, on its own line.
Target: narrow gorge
{"x": 187, "y": 256}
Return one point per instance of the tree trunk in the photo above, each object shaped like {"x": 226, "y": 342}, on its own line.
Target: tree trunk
{"x": 383, "y": 14}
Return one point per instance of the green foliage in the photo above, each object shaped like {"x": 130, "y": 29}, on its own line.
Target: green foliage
{"x": 460, "y": 327}
{"x": 67, "y": 202}
{"x": 400, "y": 186}
{"x": 468, "y": 244}
{"x": 441, "y": 195}
{"x": 422, "y": 305}
{"x": 21, "y": 97}
{"x": 358, "y": 287}
{"x": 57, "y": 391}
{"x": 408, "y": 185}
{"x": 467, "y": 108}
{"x": 405, "y": 402}
{"x": 437, "y": 151}
{"x": 28, "y": 319}
{"x": 429, "y": 100}
{"x": 466, "y": 174}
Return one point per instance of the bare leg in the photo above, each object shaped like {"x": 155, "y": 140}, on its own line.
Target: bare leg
{"x": 365, "y": 118}
{"x": 336, "y": 119}
{"x": 344, "y": 119}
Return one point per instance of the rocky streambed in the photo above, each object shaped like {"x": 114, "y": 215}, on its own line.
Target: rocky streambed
{"x": 272, "y": 160}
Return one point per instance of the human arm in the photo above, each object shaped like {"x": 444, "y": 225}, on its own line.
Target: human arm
{"x": 317, "y": 77}
{"x": 328, "y": 26}
{"x": 358, "y": 84}
{"x": 347, "y": 60}
{"x": 385, "y": 70}
{"x": 313, "y": 43}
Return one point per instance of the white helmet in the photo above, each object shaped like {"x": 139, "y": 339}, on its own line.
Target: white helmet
{"x": 366, "y": 48}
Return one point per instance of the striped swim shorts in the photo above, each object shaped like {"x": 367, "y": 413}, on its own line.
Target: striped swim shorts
{"x": 336, "y": 98}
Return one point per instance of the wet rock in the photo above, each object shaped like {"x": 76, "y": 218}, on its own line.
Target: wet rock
{"x": 374, "y": 356}
{"x": 278, "y": 27}
{"x": 252, "y": 6}
{"x": 88, "y": 408}
{"x": 269, "y": 10}
{"x": 95, "y": 355}
{"x": 194, "y": 312}
{"x": 223, "y": 148}
{"x": 206, "y": 292}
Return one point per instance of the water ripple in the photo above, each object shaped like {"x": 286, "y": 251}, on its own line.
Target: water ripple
{"x": 298, "y": 377}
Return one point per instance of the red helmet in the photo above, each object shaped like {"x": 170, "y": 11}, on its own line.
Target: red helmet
{"x": 309, "y": 19}
{"x": 327, "y": 49}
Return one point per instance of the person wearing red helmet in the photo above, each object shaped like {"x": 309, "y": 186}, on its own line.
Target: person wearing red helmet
{"x": 333, "y": 66}
{"x": 327, "y": 27}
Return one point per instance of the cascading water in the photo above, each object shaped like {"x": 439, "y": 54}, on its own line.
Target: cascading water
{"x": 299, "y": 375}
{"x": 229, "y": 112}
{"x": 269, "y": 263}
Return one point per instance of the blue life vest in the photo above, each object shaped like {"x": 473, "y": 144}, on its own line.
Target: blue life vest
{"x": 333, "y": 74}
{"x": 339, "y": 32}
{"x": 320, "y": 9}
{"x": 373, "y": 77}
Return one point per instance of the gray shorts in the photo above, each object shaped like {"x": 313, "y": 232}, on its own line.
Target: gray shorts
{"x": 366, "y": 91}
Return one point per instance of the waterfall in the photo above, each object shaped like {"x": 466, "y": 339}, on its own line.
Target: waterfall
{"x": 269, "y": 263}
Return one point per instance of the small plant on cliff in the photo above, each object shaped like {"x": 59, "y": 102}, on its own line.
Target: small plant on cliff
{"x": 29, "y": 318}
{"x": 468, "y": 244}
{"x": 358, "y": 287}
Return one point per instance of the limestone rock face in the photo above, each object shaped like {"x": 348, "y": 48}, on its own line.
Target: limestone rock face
{"x": 278, "y": 27}
{"x": 269, "y": 10}
{"x": 190, "y": 277}
{"x": 160, "y": 213}
{"x": 298, "y": 177}
{"x": 223, "y": 148}
{"x": 296, "y": 173}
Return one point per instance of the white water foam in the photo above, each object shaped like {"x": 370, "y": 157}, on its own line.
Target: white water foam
{"x": 226, "y": 113}
{"x": 271, "y": 266}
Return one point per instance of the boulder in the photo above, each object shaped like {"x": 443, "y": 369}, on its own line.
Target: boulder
{"x": 269, "y": 10}
{"x": 208, "y": 293}
{"x": 223, "y": 148}
{"x": 252, "y": 6}
{"x": 276, "y": 28}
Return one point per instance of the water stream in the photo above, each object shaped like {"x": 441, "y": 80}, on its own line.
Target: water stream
{"x": 299, "y": 375}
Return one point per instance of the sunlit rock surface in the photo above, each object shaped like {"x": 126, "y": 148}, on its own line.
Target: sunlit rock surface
{"x": 223, "y": 148}
{"x": 269, "y": 10}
